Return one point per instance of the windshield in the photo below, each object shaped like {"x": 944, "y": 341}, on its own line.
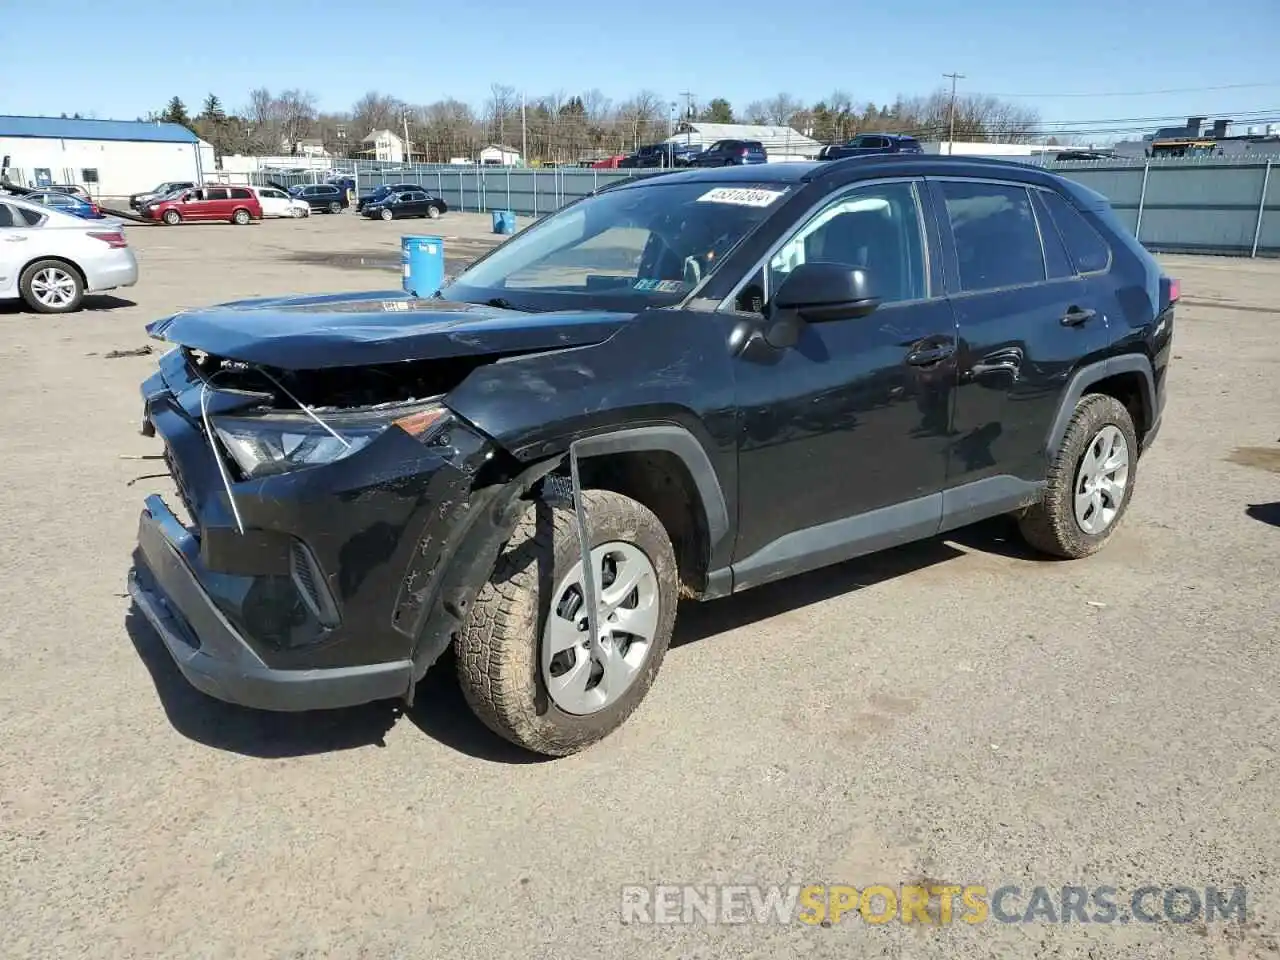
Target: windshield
{"x": 628, "y": 248}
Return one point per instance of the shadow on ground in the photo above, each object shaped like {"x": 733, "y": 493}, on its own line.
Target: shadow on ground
{"x": 92, "y": 303}
{"x": 439, "y": 709}
{"x": 1265, "y": 512}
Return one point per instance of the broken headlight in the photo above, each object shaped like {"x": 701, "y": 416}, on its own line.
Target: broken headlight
{"x": 266, "y": 444}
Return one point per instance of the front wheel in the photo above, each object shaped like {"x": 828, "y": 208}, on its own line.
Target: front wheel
{"x": 51, "y": 286}
{"x": 299, "y": 212}
{"x": 526, "y": 661}
{"x": 1089, "y": 484}
{"x": 172, "y": 217}
{"x": 386, "y": 214}
{"x": 335, "y": 207}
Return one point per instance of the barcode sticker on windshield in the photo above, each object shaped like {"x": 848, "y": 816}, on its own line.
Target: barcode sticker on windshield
{"x": 741, "y": 196}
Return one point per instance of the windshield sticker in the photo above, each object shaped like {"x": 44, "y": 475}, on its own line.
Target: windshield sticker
{"x": 661, "y": 286}
{"x": 741, "y": 196}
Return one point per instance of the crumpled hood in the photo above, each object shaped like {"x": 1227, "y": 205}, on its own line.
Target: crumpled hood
{"x": 343, "y": 330}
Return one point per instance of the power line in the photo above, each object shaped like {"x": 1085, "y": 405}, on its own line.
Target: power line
{"x": 1139, "y": 93}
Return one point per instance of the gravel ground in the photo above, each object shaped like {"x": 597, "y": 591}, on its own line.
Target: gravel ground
{"x": 955, "y": 711}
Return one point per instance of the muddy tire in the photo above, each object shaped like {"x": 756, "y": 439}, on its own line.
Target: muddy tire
{"x": 1089, "y": 484}
{"x": 524, "y": 671}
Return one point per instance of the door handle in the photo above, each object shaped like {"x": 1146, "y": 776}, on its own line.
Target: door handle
{"x": 1078, "y": 315}
{"x": 16, "y": 239}
{"x": 923, "y": 358}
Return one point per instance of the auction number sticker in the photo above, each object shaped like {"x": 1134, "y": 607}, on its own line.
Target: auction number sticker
{"x": 741, "y": 196}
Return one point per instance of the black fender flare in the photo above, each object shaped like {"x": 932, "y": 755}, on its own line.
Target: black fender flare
{"x": 1086, "y": 377}
{"x": 679, "y": 442}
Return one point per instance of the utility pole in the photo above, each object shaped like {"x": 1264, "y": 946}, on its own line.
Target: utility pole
{"x": 951, "y": 135}
{"x": 688, "y": 115}
{"x": 524, "y": 134}
{"x": 408, "y": 150}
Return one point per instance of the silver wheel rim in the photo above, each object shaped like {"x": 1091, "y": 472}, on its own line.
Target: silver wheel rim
{"x": 386, "y": 214}
{"x": 241, "y": 217}
{"x": 584, "y": 677}
{"x": 433, "y": 213}
{"x": 53, "y": 287}
{"x": 1101, "y": 480}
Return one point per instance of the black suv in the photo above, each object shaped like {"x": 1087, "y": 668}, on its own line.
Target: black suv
{"x": 871, "y": 143}
{"x": 729, "y": 153}
{"x": 699, "y": 383}
{"x": 322, "y": 197}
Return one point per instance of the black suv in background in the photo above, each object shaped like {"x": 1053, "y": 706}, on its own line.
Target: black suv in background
{"x": 871, "y": 143}
{"x": 681, "y": 386}
{"x": 322, "y": 197}
{"x": 728, "y": 153}
{"x": 669, "y": 154}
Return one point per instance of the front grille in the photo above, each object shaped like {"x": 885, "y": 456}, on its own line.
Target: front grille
{"x": 189, "y": 521}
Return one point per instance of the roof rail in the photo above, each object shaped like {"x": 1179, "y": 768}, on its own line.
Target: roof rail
{"x": 889, "y": 159}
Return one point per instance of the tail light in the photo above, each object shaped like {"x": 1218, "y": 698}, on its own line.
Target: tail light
{"x": 113, "y": 239}
{"x": 1175, "y": 290}
{"x": 744, "y": 152}
{"x": 93, "y": 209}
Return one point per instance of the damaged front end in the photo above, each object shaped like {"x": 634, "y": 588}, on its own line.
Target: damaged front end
{"x": 322, "y": 510}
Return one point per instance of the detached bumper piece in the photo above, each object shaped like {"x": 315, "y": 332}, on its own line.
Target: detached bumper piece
{"x": 211, "y": 653}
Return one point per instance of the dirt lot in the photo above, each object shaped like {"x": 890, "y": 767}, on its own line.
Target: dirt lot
{"x": 950, "y": 712}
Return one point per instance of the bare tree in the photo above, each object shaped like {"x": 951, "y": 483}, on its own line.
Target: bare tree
{"x": 503, "y": 108}
{"x": 376, "y": 111}
{"x": 781, "y": 108}
{"x": 297, "y": 112}
{"x": 757, "y": 111}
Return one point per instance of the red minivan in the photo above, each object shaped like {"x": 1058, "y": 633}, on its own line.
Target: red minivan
{"x": 233, "y": 204}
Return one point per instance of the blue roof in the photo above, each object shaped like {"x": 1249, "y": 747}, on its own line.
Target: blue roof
{"x": 60, "y": 129}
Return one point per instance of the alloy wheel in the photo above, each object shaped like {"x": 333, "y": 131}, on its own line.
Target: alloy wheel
{"x": 582, "y": 675}
{"x": 53, "y": 287}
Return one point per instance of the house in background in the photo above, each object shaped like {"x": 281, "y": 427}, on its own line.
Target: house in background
{"x": 311, "y": 147}
{"x": 498, "y": 155}
{"x": 385, "y": 146}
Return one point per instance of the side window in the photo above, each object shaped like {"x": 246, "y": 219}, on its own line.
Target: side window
{"x": 997, "y": 244}
{"x": 1056, "y": 260}
{"x": 219, "y": 193}
{"x": 1090, "y": 252}
{"x": 6, "y": 216}
{"x": 874, "y": 227}
{"x": 30, "y": 217}
{"x": 239, "y": 193}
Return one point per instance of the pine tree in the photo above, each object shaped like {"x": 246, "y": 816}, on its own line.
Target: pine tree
{"x": 213, "y": 109}
{"x": 176, "y": 112}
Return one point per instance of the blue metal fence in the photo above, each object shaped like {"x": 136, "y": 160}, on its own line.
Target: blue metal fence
{"x": 1221, "y": 206}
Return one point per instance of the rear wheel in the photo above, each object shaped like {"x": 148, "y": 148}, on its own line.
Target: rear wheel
{"x": 433, "y": 212}
{"x": 335, "y": 207}
{"x": 172, "y": 217}
{"x": 241, "y": 217}
{"x": 526, "y": 661}
{"x": 51, "y": 286}
{"x": 1089, "y": 484}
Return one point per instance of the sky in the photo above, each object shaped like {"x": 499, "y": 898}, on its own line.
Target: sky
{"x": 1076, "y": 63}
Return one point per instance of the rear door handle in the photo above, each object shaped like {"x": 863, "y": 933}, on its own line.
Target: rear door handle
{"x": 15, "y": 239}
{"x": 1078, "y": 315}
{"x": 922, "y": 358}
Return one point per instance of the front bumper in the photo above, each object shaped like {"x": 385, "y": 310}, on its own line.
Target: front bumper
{"x": 212, "y": 654}
{"x": 323, "y": 600}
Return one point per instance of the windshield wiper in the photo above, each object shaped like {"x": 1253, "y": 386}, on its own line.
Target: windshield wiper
{"x": 502, "y": 303}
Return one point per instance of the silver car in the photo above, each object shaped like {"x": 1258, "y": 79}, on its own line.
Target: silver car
{"x": 52, "y": 259}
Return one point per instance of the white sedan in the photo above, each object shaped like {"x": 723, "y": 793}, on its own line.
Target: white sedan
{"x": 52, "y": 259}
{"x": 277, "y": 203}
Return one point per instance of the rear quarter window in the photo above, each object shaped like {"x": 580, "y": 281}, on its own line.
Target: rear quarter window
{"x": 241, "y": 194}
{"x": 1088, "y": 249}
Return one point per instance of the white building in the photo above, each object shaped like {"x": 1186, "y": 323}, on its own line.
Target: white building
{"x": 497, "y": 154}
{"x": 780, "y": 143}
{"x": 109, "y": 158}
{"x": 385, "y": 146}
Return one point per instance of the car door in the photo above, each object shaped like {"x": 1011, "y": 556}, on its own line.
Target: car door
{"x": 273, "y": 202}
{"x": 15, "y": 245}
{"x": 415, "y": 204}
{"x": 1024, "y": 322}
{"x": 218, "y": 205}
{"x": 843, "y": 437}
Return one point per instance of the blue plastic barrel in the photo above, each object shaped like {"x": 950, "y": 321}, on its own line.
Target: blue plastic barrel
{"x": 504, "y": 222}
{"x": 423, "y": 261}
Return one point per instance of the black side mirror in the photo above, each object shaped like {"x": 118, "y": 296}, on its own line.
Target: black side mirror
{"x": 817, "y": 293}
